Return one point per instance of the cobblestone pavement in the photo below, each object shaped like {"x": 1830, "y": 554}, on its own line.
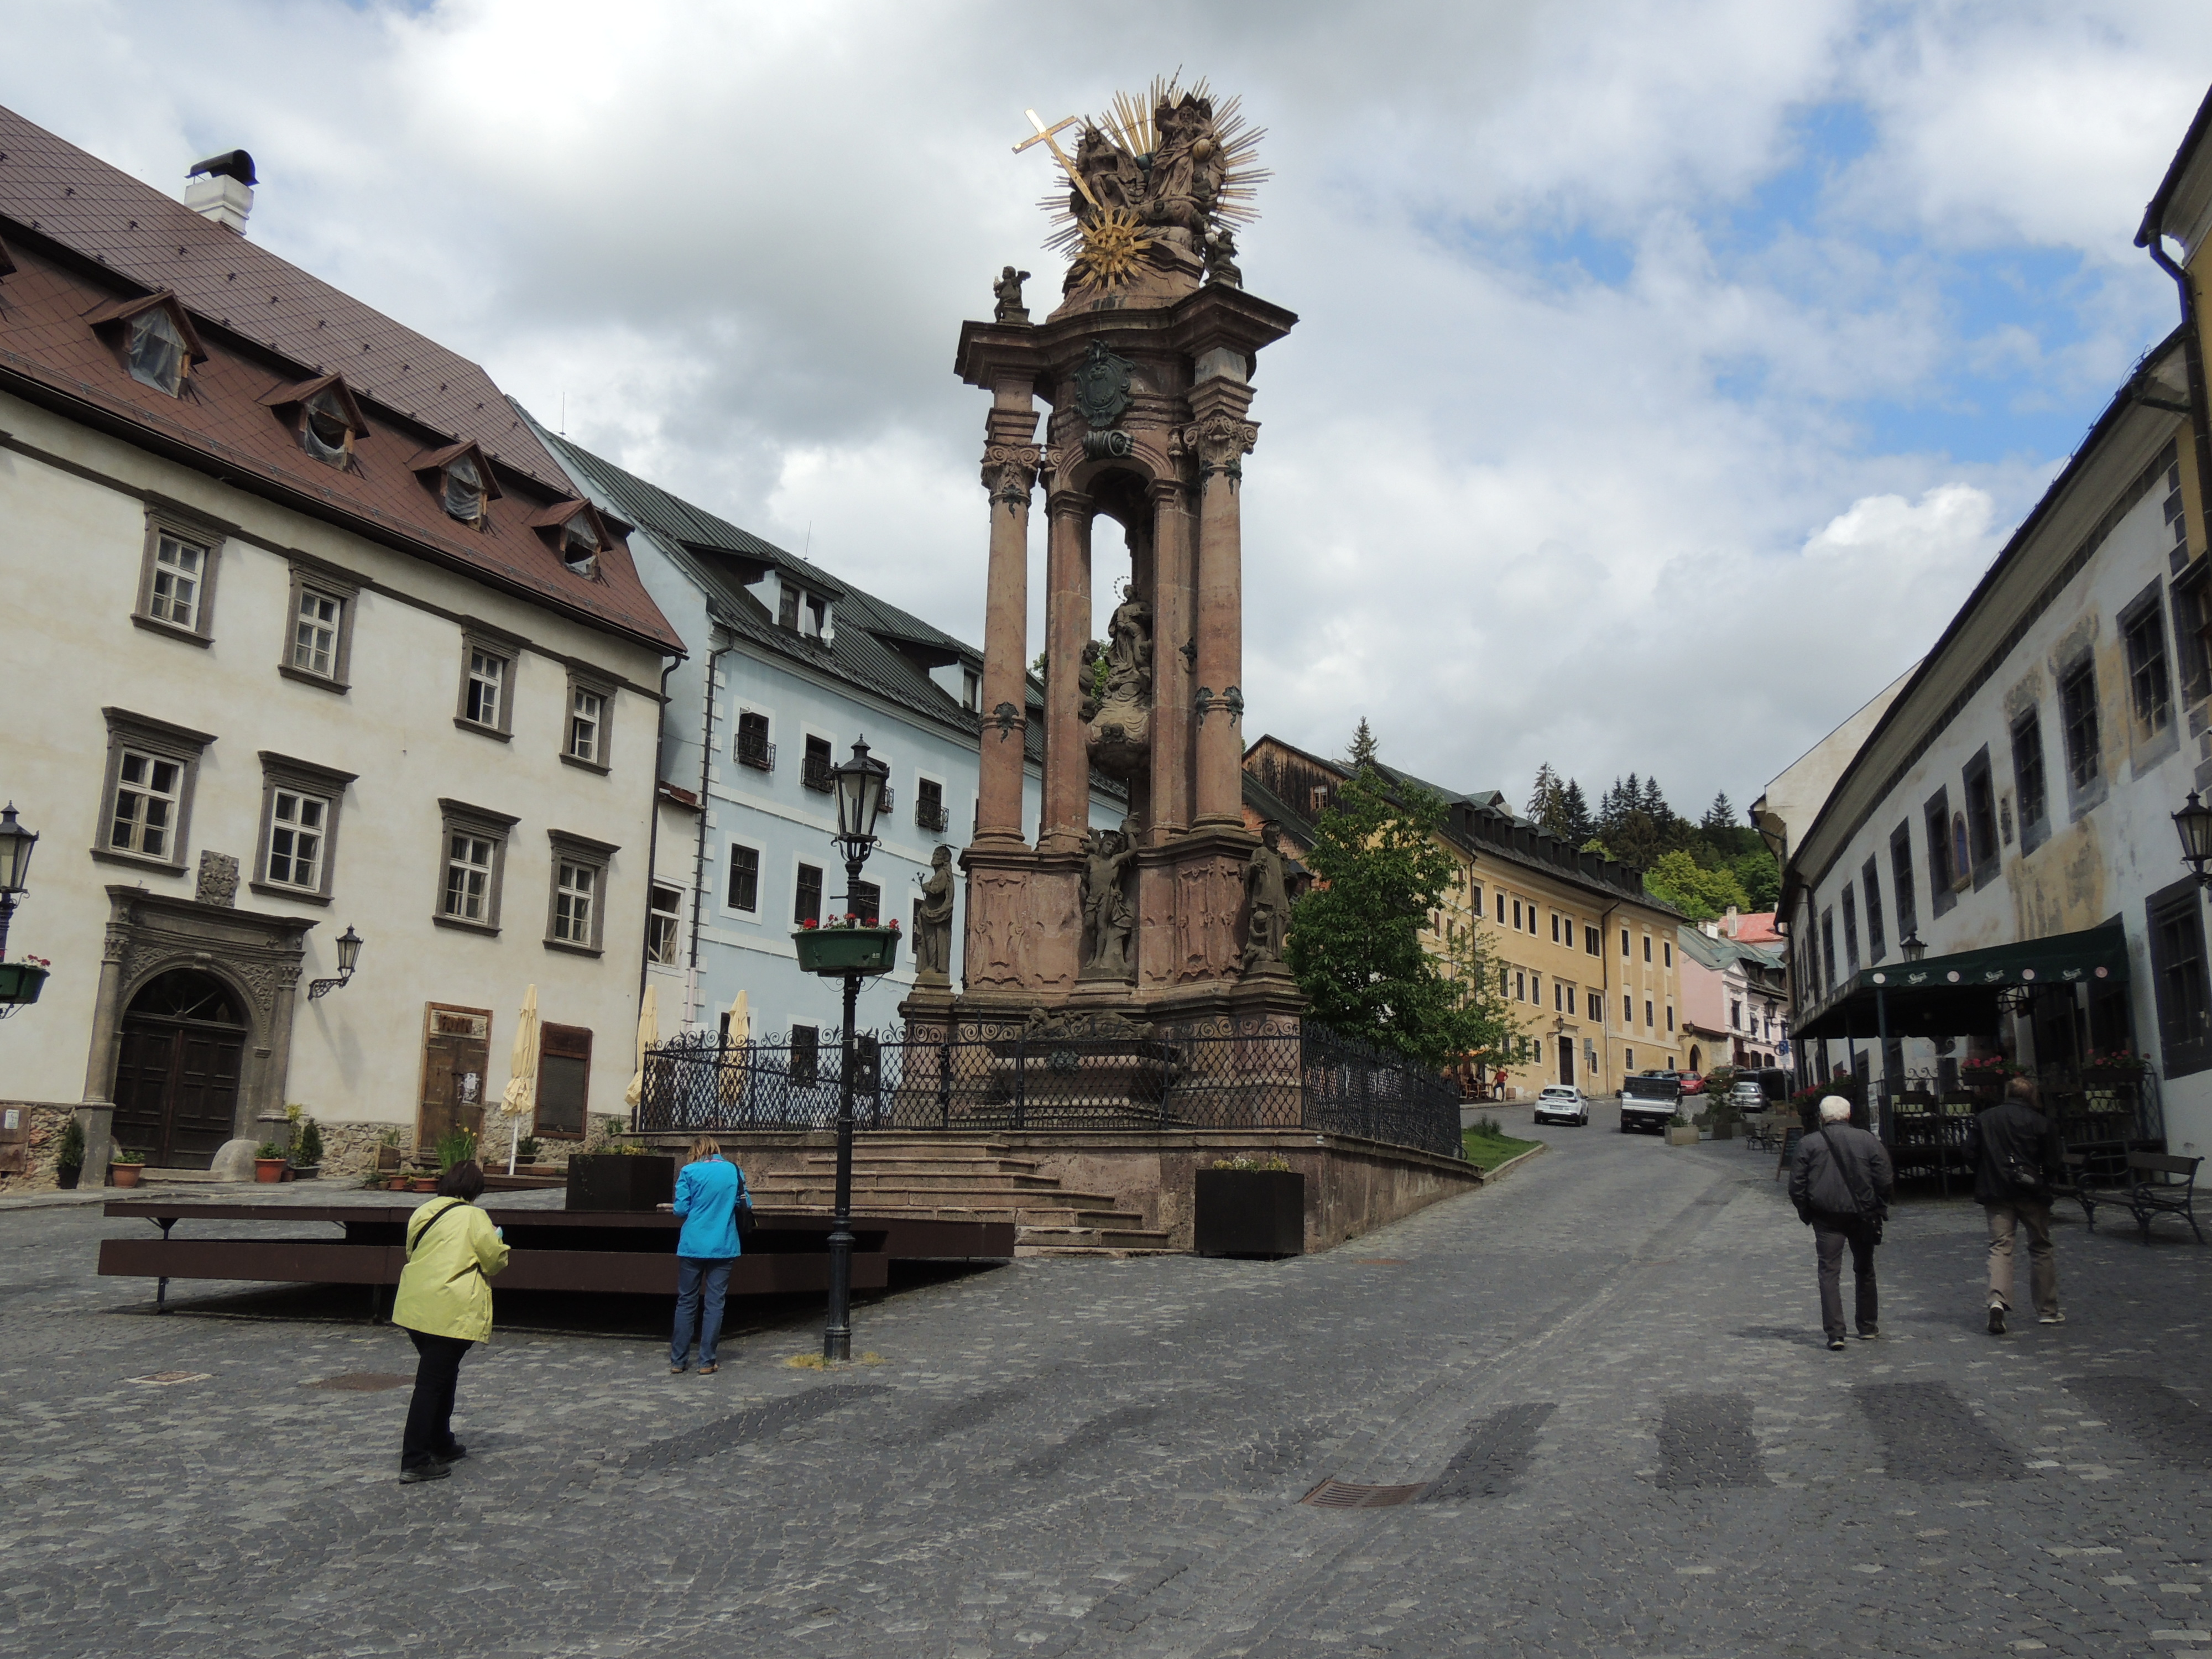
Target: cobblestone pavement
{"x": 1604, "y": 1374}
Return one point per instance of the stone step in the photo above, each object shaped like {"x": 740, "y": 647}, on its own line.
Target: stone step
{"x": 1034, "y": 1238}
{"x": 1097, "y": 1252}
{"x": 1010, "y": 1181}
{"x": 150, "y": 1175}
{"x": 923, "y": 1164}
{"x": 874, "y": 1194}
{"x": 1026, "y": 1216}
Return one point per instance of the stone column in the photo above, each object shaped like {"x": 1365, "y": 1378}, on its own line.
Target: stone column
{"x": 1010, "y": 466}
{"x": 1220, "y": 437}
{"x": 1066, "y": 631}
{"x": 1172, "y": 684}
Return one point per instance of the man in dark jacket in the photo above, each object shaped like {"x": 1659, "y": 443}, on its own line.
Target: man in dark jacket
{"x": 2018, "y": 1159}
{"x": 1841, "y": 1186}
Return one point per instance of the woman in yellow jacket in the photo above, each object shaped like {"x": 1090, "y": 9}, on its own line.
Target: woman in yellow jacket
{"x": 444, "y": 1304}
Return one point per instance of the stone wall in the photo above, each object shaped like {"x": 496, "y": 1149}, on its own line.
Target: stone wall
{"x": 45, "y": 1123}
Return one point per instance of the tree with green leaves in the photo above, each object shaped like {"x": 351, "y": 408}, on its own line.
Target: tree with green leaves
{"x": 1701, "y": 894}
{"x": 1355, "y": 939}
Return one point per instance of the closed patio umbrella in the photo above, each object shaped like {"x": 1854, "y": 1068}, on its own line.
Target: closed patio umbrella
{"x": 648, "y": 1034}
{"x": 521, "y": 1096}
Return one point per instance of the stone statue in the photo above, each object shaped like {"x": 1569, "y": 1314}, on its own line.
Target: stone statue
{"x": 933, "y": 923}
{"x": 1008, "y": 287}
{"x": 1129, "y": 650}
{"x": 218, "y": 879}
{"x": 1116, "y": 708}
{"x": 1108, "y": 917}
{"x": 1221, "y": 257}
{"x": 1267, "y": 895}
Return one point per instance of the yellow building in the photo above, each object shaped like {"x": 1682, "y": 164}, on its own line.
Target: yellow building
{"x": 1584, "y": 957}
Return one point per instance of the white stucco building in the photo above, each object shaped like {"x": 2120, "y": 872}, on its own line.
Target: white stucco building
{"x": 306, "y": 632}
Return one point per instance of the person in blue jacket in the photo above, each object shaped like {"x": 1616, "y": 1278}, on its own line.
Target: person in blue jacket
{"x": 707, "y": 1194}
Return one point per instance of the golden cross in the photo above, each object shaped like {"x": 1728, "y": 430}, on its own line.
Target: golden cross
{"x": 1043, "y": 135}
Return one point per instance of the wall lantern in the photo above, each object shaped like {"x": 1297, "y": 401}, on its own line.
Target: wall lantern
{"x": 2194, "y": 823}
{"x": 350, "y": 944}
{"x": 1913, "y": 946}
{"x": 16, "y": 845}
{"x": 859, "y": 781}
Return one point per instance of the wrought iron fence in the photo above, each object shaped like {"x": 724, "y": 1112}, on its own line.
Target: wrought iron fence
{"x": 1220, "y": 1075}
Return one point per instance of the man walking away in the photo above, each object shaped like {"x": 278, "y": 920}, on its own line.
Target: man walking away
{"x": 1841, "y": 1186}
{"x": 2018, "y": 1157}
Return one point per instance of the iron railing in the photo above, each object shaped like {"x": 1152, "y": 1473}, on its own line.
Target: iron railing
{"x": 757, "y": 753}
{"x": 1226, "y": 1075}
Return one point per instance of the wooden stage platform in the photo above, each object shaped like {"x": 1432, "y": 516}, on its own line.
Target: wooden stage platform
{"x": 602, "y": 1251}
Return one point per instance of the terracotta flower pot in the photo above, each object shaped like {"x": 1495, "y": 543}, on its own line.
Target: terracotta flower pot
{"x": 424, "y": 1184}
{"x": 125, "y": 1175}
{"x": 397, "y": 1184}
{"x": 268, "y": 1169}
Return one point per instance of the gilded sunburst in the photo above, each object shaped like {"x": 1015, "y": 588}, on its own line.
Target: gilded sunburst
{"x": 1114, "y": 243}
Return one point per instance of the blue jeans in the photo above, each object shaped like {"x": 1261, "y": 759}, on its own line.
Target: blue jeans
{"x": 694, "y": 1274}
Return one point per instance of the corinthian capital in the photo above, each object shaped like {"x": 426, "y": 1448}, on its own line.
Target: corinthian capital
{"x": 1220, "y": 443}
{"x": 1010, "y": 473}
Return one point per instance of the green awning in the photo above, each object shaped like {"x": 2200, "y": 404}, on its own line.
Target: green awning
{"x": 1956, "y": 995}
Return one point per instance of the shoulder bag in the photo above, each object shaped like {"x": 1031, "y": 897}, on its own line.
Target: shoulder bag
{"x": 1870, "y": 1210}
{"x": 745, "y": 1215}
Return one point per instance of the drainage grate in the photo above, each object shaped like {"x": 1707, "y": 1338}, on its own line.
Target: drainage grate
{"x": 1345, "y": 1495}
{"x": 168, "y": 1379}
{"x": 363, "y": 1382}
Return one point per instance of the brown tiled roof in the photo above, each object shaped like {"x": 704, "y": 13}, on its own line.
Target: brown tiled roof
{"x": 156, "y": 241}
{"x": 50, "y": 352}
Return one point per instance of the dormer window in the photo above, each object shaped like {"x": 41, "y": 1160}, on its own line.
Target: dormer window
{"x": 464, "y": 493}
{"x": 155, "y": 352}
{"x": 326, "y": 433}
{"x": 579, "y": 544}
{"x": 460, "y": 478}
{"x": 576, "y": 531}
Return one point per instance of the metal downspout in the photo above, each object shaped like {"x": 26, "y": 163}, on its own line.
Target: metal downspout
{"x": 2192, "y": 358}
{"x": 699, "y": 855}
{"x": 653, "y": 831}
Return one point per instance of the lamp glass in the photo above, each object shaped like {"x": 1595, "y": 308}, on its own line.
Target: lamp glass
{"x": 860, "y": 783}
{"x": 349, "y": 944}
{"x": 16, "y": 845}
{"x": 1913, "y": 946}
{"x": 2194, "y": 823}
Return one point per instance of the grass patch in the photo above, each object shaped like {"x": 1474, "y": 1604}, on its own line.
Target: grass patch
{"x": 815, "y": 1362}
{"x": 1488, "y": 1145}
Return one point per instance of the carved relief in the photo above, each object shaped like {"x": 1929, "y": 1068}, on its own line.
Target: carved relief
{"x": 1208, "y": 894}
{"x": 218, "y": 879}
{"x": 1010, "y": 472}
{"x": 998, "y": 942}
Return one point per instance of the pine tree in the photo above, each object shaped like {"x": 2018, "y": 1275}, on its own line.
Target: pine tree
{"x": 1542, "y": 795}
{"x": 1362, "y": 747}
{"x": 1581, "y": 826}
{"x": 1720, "y": 815}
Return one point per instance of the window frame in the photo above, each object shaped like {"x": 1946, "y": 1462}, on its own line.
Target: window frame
{"x": 764, "y": 759}
{"x": 2027, "y": 739}
{"x": 654, "y": 915}
{"x": 828, "y": 785}
{"x": 1870, "y": 892}
{"x": 2181, "y": 1052}
{"x": 328, "y": 581}
{"x": 192, "y": 531}
{"x": 583, "y": 682}
{"x": 490, "y": 642}
{"x": 2151, "y": 677}
{"x": 1942, "y": 879}
{"x": 941, "y": 824}
{"x": 730, "y": 851}
{"x": 569, "y": 848}
{"x": 160, "y": 740}
{"x": 459, "y": 817}
{"x": 1902, "y": 888}
{"x": 2085, "y": 776}
{"x": 1848, "y": 901}
{"x": 1985, "y": 844}
{"x": 299, "y": 777}
{"x": 799, "y": 918}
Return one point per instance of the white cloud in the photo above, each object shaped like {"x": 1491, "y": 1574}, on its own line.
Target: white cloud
{"x": 1508, "y": 513}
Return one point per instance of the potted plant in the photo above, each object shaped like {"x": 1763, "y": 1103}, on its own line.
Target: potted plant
{"x": 269, "y": 1161}
{"x": 69, "y": 1160}
{"x": 307, "y": 1144}
{"x": 387, "y": 1150}
{"x": 2120, "y": 1067}
{"x": 525, "y": 1152}
{"x": 846, "y": 944}
{"x": 420, "y": 1183}
{"x": 1250, "y": 1206}
{"x": 1681, "y": 1132}
{"x": 22, "y": 980}
{"x": 125, "y": 1166}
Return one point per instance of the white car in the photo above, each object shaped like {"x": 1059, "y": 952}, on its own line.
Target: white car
{"x": 1562, "y": 1102}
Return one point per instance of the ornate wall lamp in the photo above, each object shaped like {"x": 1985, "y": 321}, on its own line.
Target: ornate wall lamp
{"x": 350, "y": 944}
{"x": 16, "y": 845}
{"x": 2194, "y": 823}
{"x": 1913, "y": 946}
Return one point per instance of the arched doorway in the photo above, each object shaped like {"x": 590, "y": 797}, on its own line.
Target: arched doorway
{"x": 1696, "y": 1058}
{"x": 176, "y": 1073}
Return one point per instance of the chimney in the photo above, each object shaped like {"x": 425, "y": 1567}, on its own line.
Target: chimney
{"x": 221, "y": 188}
{"x": 1733, "y": 923}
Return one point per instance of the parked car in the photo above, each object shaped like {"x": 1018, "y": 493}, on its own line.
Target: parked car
{"x": 1748, "y": 1098}
{"x": 1693, "y": 1083}
{"x": 1649, "y": 1099}
{"x": 1562, "y": 1102}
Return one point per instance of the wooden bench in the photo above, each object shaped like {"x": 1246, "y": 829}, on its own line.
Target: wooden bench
{"x": 2152, "y": 1192}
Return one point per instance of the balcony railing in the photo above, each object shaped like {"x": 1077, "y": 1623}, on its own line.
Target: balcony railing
{"x": 757, "y": 753}
{"x": 814, "y": 772}
{"x": 930, "y": 815}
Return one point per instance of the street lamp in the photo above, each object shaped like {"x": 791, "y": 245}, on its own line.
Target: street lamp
{"x": 2194, "y": 822}
{"x": 1912, "y": 946}
{"x": 860, "y": 788}
{"x": 350, "y": 944}
{"x": 16, "y": 845}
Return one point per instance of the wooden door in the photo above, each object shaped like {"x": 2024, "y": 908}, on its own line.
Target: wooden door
{"x": 456, "y": 1066}
{"x": 564, "y": 1074}
{"x": 1566, "y": 1060}
{"x": 176, "y": 1090}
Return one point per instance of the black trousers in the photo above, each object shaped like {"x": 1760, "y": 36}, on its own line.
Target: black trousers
{"x": 1831, "y": 1233}
{"x": 430, "y": 1412}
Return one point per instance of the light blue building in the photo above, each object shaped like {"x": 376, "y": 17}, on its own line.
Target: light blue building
{"x": 801, "y": 665}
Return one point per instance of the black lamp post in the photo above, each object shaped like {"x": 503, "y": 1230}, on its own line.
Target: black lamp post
{"x": 16, "y": 845}
{"x": 1913, "y": 946}
{"x": 349, "y": 944}
{"x": 860, "y": 788}
{"x": 2194, "y": 822}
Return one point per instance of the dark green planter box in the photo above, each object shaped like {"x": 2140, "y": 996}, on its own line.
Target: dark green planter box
{"x": 615, "y": 1181}
{"x": 846, "y": 950}
{"x": 1258, "y": 1213}
{"x": 20, "y": 982}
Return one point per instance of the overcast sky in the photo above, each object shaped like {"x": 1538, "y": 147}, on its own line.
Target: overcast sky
{"x": 1666, "y": 372}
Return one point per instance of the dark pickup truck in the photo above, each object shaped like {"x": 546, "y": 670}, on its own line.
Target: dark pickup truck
{"x": 1649, "y": 1099}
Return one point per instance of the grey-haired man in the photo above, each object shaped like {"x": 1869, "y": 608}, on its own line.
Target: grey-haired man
{"x": 1841, "y": 1186}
